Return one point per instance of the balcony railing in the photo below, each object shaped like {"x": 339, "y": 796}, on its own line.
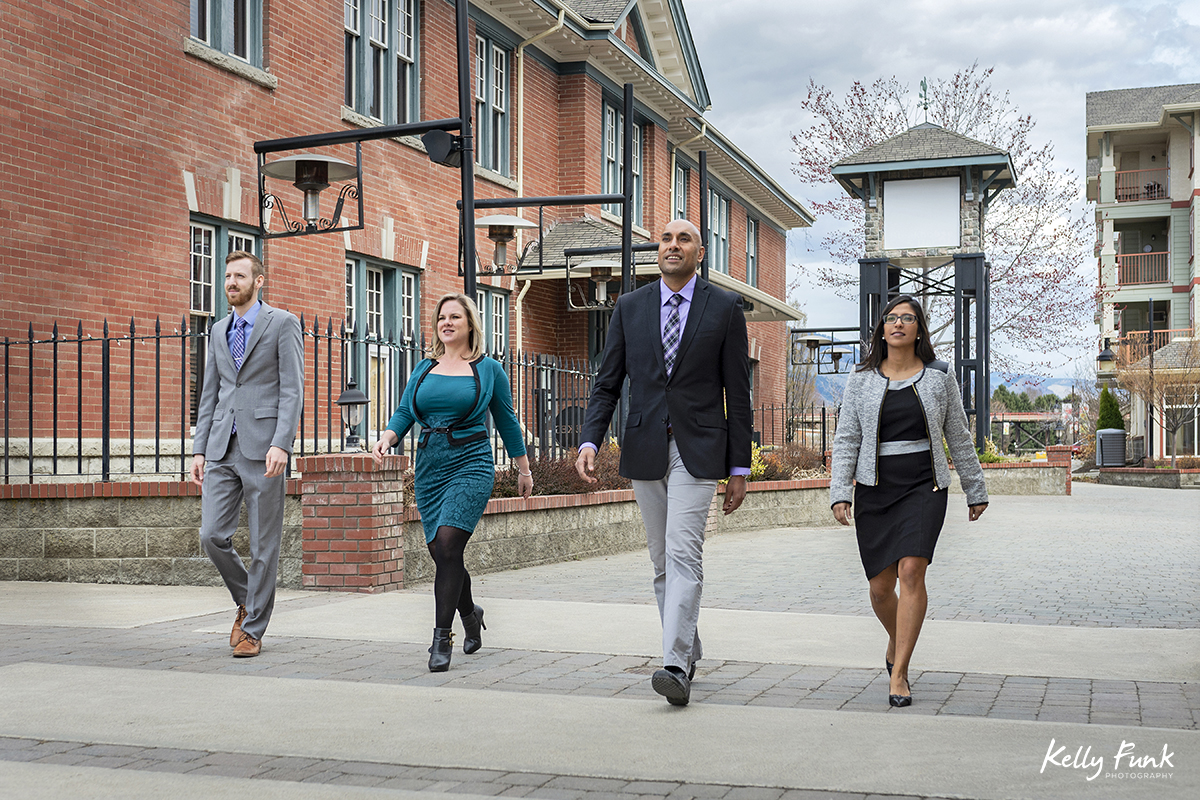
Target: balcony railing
{"x": 1141, "y": 184}
{"x": 1135, "y": 268}
{"x": 1135, "y": 345}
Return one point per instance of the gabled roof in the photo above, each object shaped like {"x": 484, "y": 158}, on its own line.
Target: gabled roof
{"x": 1137, "y": 106}
{"x": 607, "y": 11}
{"x": 921, "y": 143}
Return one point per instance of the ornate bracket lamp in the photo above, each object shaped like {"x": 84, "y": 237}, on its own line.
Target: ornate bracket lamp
{"x": 596, "y": 297}
{"x": 502, "y": 229}
{"x": 311, "y": 174}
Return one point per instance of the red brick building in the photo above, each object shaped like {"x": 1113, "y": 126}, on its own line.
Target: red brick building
{"x": 129, "y": 171}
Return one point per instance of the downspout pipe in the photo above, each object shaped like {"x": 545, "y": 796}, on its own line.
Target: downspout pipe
{"x": 520, "y": 56}
{"x": 674, "y": 153}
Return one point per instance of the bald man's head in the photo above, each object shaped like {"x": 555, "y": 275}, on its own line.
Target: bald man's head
{"x": 679, "y": 252}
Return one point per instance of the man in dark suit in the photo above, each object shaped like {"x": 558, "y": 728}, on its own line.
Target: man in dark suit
{"x": 249, "y": 409}
{"x": 682, "y": 343}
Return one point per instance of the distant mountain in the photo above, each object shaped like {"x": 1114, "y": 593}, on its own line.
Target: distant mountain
{"x": 831, "y": 387}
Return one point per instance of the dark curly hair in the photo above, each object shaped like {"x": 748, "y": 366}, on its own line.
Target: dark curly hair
{"x": 878, "y": 349}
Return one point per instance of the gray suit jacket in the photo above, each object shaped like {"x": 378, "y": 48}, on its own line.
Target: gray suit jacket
{"x": 265, "y": 396}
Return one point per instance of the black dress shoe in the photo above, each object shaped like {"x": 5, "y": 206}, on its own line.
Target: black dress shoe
{"x": 472, "y": 638}
{"x": 692, "y": 671}
{"x": 673, "y": 685}
{"x": 899, "y": 700}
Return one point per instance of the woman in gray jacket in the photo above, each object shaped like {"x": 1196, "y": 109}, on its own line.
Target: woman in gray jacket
{"x": 897, "y": 408}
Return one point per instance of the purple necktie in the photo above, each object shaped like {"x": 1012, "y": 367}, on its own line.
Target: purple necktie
{"x": 671, "y": 333}
{"x": 237, "y": 348}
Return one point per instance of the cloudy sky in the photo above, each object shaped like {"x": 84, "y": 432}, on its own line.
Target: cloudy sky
{"x": 758, "y": 56}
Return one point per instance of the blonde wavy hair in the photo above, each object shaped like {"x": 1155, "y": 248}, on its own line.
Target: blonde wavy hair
{"x": 474, "y": 326}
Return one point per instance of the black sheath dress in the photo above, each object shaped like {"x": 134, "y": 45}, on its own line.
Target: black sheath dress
{"x": 901, "y": 515}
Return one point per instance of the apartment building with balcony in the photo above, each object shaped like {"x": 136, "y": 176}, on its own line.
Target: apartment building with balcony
{"x": 1142, "y": 177}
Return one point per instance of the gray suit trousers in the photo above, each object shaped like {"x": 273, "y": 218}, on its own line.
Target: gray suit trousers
{"x": 227, "y": 482}
{"x": 675, "y": 513}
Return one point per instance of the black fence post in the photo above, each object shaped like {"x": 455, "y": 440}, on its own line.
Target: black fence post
{"x": 184, "y": 333}
{"x": 7, "y": 406}
{"x": 157, "y": 393}
{"x": 132, "y": 371}
{"x": 78, "y": 402}
{"x": 29, "y": 455}
{"x": 54, "y": 426}
{"x": 105, "y": 400}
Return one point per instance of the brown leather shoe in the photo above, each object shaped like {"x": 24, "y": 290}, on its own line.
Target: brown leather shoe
{"x": 248, "y": 647}
{"x": 235, "y": 635}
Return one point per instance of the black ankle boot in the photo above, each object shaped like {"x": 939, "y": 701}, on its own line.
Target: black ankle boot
{"x": 440, "y": 650}
{"x": 472, "y": 638}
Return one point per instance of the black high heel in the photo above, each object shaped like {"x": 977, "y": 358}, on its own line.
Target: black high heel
{"x": 472, "y": 638}
{"x": 900, "y": 700}
{"x": 889, "y": 666}
{"x": 440, "y": 650}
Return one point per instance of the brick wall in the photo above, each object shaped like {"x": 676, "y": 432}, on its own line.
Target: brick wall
{"x": 105, "y": 144}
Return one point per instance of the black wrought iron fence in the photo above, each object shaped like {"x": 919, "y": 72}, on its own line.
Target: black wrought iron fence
{"x": 121, "y": 403}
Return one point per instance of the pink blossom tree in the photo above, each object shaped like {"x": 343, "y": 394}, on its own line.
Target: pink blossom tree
{"x": 1036, "y": 235}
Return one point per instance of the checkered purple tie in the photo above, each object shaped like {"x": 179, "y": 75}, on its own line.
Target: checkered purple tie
{"x": 237, "y": 348}
{"x": 671, "y": 333}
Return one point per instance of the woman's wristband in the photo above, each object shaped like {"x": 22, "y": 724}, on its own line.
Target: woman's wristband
{"x": 525, "y": 474}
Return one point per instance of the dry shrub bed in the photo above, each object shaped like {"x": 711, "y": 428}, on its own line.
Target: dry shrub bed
{"x": 558, "y": 476}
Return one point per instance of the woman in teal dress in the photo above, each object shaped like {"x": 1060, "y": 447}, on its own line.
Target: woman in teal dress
{"x": 449, "y": 396}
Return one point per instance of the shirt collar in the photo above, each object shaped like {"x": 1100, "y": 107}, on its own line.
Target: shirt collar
{"x": 686, "y": 292}
{"x": 250, "y": 315}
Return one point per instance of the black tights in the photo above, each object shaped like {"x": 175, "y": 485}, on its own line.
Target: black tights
{"x": 451, "y": 583}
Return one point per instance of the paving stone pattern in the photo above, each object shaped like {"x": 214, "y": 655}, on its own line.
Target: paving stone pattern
{"x": 487, "y": 783}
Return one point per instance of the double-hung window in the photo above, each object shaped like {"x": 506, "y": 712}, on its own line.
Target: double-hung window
{"x": 718, "y": 232}
{"x": 381, "y": 309}
{"x": 380, "y": 58}
{"x": 231, "y": 26}
{"x": 682, "y": 180}
{"x": 752, "y": 251}
{"x": 612, "y": 176}
{"x": 491, "y": 105}
{"x": 208, "y": 244}
{"x": 493, "y": 314}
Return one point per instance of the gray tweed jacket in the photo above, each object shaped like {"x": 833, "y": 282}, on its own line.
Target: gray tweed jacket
{"x": 856, "y": 443}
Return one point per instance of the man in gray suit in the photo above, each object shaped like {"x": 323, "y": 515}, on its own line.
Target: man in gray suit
{"x": 249, "y": 409}
{"x": 681, "y": 341}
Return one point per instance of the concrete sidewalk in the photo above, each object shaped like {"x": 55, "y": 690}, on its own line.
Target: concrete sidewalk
{"x": 110, "y": 691}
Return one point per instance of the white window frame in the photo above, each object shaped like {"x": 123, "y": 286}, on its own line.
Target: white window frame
{"x": 683, "y": 180}
{"x": 491, "y": 81}
{"x": 202, "y": 262}
{"x": 352, "y": 25}
{"x": 374, "y": 308}
{"x": 493, "y": 313}
{"x": 612, "y": 177}
{"x": 752, "y": 226}
{"x": 214, "y": 23}
{"x": 718, "y": 231}
{"x": 351, "y": 315}
{"x": 408, "y": 306}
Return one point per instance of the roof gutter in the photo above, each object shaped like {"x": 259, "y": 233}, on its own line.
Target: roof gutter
{"x": 674, "y": 156}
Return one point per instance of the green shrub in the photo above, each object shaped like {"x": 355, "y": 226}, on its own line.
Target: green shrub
{"x": 1110, "y": 411}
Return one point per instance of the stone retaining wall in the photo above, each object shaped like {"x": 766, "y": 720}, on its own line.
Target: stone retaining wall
{"x": 1150, "y": 478}
{"x": 149, "y": 532}
{"x": 121, "y": 533}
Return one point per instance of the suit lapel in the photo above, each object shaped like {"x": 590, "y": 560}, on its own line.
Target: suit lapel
{"x": 261, "y": 323}
{"x": 219, "y": 338}
{"x": 699, "y": 301}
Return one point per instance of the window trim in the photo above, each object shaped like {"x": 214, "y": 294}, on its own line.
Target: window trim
{"x": 682, "y": 186}
{"x": 208, "y": 22}
{"x": 612, "y": 153}
{"x": 371, "y": 65}
{"x": 493, "y": 123}
{"x": 718, "y": 230}
{"x": 487, "y": 311}
{"x": 752, "y": 254}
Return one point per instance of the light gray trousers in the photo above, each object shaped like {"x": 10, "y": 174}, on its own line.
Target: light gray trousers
{"x": 227, "y": 483}
{"x": 675, "y": 513}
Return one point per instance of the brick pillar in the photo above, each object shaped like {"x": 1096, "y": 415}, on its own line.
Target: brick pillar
{"x": 353, "y": 512}
{"x": 1059, "y": 455}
